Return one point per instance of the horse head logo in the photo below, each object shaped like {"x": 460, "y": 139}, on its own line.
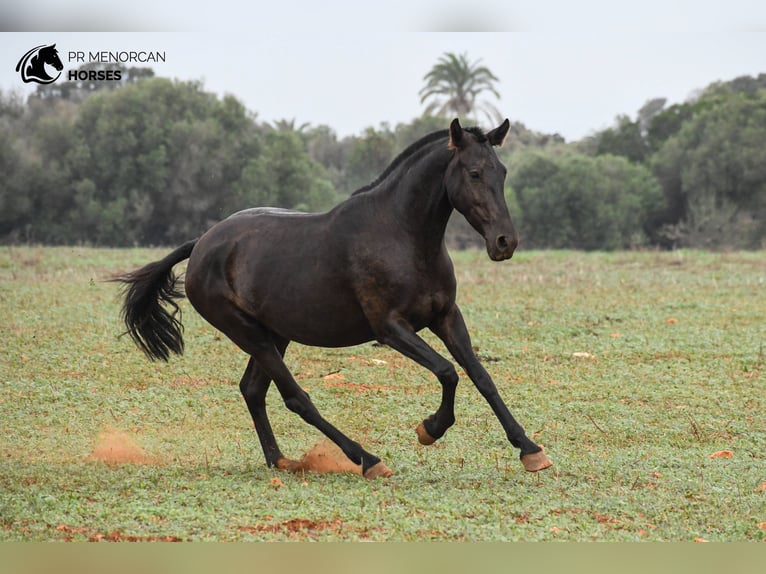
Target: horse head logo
{"x": 32, "y": 64}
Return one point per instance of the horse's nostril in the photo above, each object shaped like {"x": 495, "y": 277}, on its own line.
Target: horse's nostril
{"x": 505, "y": 243}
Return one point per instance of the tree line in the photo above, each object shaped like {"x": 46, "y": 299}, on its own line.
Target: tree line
{"x": 155, "y": 161}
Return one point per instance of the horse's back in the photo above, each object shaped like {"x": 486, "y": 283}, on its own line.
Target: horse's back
{"x": 260, "y": 243}
{"x": 272, "y": 212}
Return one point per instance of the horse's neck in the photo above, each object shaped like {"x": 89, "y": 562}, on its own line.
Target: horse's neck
{"x": 419, "y": 198}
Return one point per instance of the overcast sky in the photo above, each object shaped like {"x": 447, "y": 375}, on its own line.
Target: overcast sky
{"x": 566, "y": 67}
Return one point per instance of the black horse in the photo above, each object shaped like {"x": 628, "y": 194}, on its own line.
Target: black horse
{"x": 373, "y": 268}
{"x": 32, "y": 64}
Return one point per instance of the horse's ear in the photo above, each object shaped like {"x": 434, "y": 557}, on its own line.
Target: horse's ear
{"x": 497, "y": 136}
{"x": 455, "y": 135}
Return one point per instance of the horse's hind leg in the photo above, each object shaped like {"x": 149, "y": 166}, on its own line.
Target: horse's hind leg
{"x": 267, "y": 356}
{"x": 254, "y": 386}
{"x": 298, "y": 401}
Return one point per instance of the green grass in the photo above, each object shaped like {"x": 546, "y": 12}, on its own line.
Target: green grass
{"x": 674, "y": 373}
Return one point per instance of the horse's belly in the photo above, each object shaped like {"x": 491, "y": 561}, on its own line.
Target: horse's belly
{"x": 329, "y": 321}
{"x": 330, "y": 336}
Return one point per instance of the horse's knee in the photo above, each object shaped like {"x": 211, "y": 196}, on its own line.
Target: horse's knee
{"x": 300, "y": 404}
{"x": 447, "y": 375}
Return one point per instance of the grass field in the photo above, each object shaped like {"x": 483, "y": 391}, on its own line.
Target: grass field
{"x": 641, "y": 373}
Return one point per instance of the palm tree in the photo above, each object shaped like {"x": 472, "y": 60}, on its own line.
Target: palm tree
{"x": 454, "y": 84}
{"x": 291, "y": 125}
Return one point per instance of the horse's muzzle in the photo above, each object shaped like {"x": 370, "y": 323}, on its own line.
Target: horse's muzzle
{"x": 503, "y": 247}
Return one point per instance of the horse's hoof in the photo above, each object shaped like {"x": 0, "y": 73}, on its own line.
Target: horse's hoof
{"x": 378, "y": 470}
{"x": 423, "y": 436}
{"x": 536, "y": 461}
{"x": 288, "y": 464}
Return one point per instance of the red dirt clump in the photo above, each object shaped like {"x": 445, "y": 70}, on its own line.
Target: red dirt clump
{"x": 117, "y": 447}
{"x": 322, "y": 458}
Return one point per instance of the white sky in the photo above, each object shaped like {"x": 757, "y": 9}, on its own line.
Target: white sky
{"x": 566, "y": 67}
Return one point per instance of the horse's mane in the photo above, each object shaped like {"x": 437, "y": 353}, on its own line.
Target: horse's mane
{"x": 412, "y": 149}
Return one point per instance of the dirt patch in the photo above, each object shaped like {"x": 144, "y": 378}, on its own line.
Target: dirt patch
{"x": 115, "y": 447}
{"x": 72, "y": 533}
{"x": 294, "y": 525}
{"x": 324, "y": 457}
{"x": 305, "y": 529}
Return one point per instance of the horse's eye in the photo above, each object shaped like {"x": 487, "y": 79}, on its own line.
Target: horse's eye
{"x": 474, "y": 175}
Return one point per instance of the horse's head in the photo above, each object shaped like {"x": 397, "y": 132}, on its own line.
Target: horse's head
{"x": 474, "y": 181}
{"x": 50, "y": 56}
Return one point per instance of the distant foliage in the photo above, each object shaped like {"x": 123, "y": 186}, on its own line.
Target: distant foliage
{"x": 152, "y": 161}
{"x": 709, "y": 156}
{"x": 714, "y": 171}
{"x": 283, "y": 175}
{"x": 155, "y": 162}
{"x": 581, "y": 202}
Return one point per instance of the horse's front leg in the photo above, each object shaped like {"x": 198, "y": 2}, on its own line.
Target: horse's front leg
{"x": 451, "y": 329}
{"x": 399, "y": 335}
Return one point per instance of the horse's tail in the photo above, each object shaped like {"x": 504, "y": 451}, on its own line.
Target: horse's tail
{"x": 152, "y": 327}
